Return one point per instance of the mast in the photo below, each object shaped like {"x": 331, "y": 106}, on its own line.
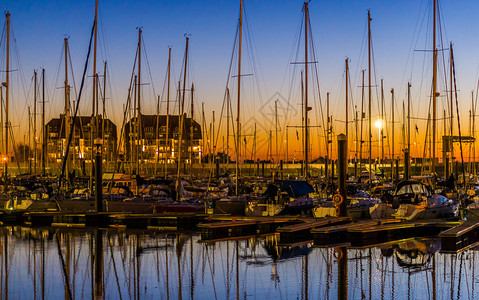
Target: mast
{"x": 103, "y": 104}
{"x": 357, "y": 143}
{"x": 392, "y": 146}
{"x": 228, "y": 105}
{"x": 254, "y": 140}
{"x": 347, "y": 95}
{"x": 369, "y": 89}
{"x": 276, "y": 131}
{"x": 191, "y": 128}
{"x": 435, "y": 93}
{"x": 167, "y": 151}
{"x": 180, "y": 140}
{"x": 473, "y": 131}
{"x": 157, "y": 137}
{"x": 409, "y": 117}
{"x": 93, "y": 123}
{"x": 408, "y": 124}
{"x": 137, "y": 133}
{"x": 7, "y": 88}
{"x": 29, "y": 141}
{"x": 44, "y": 132}
{"x": 306, "y": 108}
{"x": 34, "y": 122}
{"x": 381, "y": 140}
{"x": 139, "y": 127}
{"x": 238, "y": 134}
{"x": 67, "y": 113}
{"x": 327, "y": 139}
{"x": 451, "y": 144}
{"x": 362, "y": 119}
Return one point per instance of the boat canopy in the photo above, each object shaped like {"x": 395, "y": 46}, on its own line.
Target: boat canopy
{"x": 296, "y": 188}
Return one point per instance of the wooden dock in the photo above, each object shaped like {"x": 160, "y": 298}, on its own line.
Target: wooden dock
{"x": 461, "y": 236}
{"x": 339, "y": 234}
{"x": 369, "y": 235}
{"x": 302, "y": 231}
{"x": 243, "y": 227}
{"x": 455, "y": 235}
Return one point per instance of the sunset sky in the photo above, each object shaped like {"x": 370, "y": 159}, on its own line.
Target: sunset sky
{"x": 339, "y": 30}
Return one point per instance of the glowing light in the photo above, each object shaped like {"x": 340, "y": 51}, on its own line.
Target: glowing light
{"x": 379, "y": 124}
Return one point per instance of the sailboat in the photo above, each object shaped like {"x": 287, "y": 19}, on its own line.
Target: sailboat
{"x": 412, "y": 199}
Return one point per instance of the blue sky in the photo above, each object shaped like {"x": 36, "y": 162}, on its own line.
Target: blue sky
{"x": 338, "y": 29}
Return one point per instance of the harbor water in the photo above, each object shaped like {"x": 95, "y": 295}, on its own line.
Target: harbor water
{"x": 54, "y": 263}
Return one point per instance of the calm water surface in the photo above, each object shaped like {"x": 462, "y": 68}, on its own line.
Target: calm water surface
{"x": 52, "y": 264}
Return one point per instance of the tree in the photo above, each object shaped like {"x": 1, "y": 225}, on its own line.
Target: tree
{"x": 23, "y": 153}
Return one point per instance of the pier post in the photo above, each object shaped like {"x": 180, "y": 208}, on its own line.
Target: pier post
{"x": 406, "y": 164}
{"x": 396, "y": 178}
{"x": 342, "y": 171}
{"x": 98, "y": 177}
{"x": 262, "y": 169}
{"x": 281, "y": 169}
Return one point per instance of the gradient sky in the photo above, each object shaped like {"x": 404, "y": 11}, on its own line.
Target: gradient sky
{"x": 339, "y": 29}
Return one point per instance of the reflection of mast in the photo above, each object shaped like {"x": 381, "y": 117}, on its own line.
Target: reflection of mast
{"x": 5, "y": 259}
{"x": 192, "y": 280}
{"x": 433, "y": 277}
{"x": 42, "y": 277}
{"x": 137, "y": 257}
{"x": 178, "y": 261}
{"x": 237, "y": 270}
{"x": 98, "y": 263}
{"x": 167, "y": 271}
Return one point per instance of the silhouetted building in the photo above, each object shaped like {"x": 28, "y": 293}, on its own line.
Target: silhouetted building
{"x": 149, "y": 145}
{"x": 80, "y": 146}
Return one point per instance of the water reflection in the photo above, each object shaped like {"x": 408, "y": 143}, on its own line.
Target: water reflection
{"x": 113, "y": 264}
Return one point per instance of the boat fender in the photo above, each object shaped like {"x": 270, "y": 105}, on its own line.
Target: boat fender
{"x": 338, "y": 199}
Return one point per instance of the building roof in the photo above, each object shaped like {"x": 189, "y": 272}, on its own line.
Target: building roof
{"x": 55, "y": 125}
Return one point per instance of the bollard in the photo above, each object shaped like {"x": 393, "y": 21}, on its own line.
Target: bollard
{"x": 342, "y": 171}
